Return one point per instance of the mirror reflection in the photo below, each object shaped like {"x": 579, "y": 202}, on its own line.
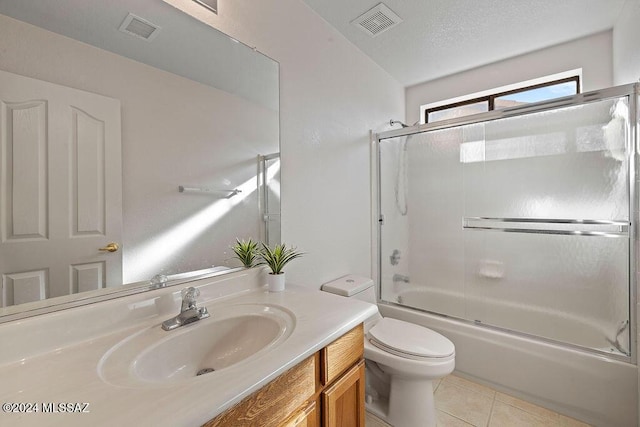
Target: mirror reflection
{"x": 128, "y": 155}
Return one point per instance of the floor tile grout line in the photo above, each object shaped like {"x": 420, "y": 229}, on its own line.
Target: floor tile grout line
{"x": 493, "y": 404}
{"x": 487, "y": 390}
{"x": 454, "y": 416}
{"x": 488, "y": 393}
{"x": 541, "y": 417}
{"x": 533, "y": 414}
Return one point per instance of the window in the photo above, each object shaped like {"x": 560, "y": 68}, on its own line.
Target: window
{"x": 504, "y": 99}
{"x": 458, "y": 110}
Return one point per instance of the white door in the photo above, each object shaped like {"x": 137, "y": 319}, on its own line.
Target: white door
{"x": 60, "y": 190}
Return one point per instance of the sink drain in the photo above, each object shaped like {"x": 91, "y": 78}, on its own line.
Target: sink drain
{"x": 204, "y": 371}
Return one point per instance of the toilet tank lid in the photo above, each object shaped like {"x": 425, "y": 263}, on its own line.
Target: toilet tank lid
{"x": 348, "y": 285}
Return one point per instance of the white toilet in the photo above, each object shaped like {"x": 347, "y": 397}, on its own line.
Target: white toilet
{"x": 402, "y": 360}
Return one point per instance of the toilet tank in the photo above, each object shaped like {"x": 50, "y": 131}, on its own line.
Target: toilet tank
{"x": 352, "y": 286}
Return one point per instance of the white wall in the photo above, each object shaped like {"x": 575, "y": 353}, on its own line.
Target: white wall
{"x": 331, "y": 95}
{"x": 626, "y": 51}
{"x": 593, "y": 54}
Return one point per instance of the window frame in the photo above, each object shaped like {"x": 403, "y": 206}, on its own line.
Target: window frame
{"x": 490, "y": 99}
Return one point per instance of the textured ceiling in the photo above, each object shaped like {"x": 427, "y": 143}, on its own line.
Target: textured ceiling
{"x": 443, "y": 37}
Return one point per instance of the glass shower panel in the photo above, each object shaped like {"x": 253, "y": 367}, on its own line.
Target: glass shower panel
{"x": 546, "y": 218}
{"x": 422, "y": 241}
{"x": 567, "y": 163}
{"x": 572, "y": 289}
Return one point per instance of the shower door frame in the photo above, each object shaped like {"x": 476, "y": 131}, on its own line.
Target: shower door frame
{"x": 632, "y": 91}
{"x": 265, "y": 214}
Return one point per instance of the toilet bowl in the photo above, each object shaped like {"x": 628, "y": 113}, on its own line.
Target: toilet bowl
{"x": 402, "y": 360}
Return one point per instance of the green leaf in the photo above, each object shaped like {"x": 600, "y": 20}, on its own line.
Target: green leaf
{"x": 247, "y": 252}
{"x": 279, "y": 256}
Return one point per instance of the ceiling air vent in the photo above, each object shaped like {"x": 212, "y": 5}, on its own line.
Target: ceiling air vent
{"x": 377, "y": 20}
{"x": 209, "y": 4}
{"x": 139, "y": 27}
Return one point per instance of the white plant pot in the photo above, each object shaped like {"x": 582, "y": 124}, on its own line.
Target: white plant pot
{"x": 275, "y": 282}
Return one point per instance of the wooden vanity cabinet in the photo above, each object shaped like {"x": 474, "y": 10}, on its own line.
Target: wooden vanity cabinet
{"x": 325, "y": 390}
{"x": 275, "y": 402}
{"x": 342, "y": 379}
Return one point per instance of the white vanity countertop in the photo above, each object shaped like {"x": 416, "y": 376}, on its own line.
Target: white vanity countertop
{"x": 70, "y": 374}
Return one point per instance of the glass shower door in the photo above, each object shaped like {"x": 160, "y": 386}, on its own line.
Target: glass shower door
{"x": 421, "y": 200}
{"x": 521, "y": 223}
{"x": 546, "y": 222}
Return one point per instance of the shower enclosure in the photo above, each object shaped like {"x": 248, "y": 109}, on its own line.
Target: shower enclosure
{"x": 521, "y": 220}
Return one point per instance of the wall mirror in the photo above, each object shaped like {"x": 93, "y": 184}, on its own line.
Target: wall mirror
{"x": 135, "y": 141}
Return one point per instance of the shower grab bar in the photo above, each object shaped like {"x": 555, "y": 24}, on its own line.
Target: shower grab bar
{"x": 585, "y": 227}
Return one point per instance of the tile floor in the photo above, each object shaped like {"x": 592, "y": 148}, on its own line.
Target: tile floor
{"x": 462, "y": 403}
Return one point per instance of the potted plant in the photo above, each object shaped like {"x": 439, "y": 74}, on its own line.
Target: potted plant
{"x": 276, "y": 259}
{"x": 247, "y": 252}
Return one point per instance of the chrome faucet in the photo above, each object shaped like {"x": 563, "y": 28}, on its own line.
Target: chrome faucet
{"x": 189, "y": 313}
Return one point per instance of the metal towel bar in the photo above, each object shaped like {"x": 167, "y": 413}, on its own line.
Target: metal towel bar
{"x": 559, "y": 226}
{"x": 231, "y": 193}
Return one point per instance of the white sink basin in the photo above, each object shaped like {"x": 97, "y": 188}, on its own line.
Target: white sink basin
{"x": 233, "y": 334}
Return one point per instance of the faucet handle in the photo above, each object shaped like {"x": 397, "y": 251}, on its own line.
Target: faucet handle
{"x": 190, "y": 293}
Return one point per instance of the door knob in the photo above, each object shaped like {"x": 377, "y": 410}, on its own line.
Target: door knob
{"x": 111, "y": 247}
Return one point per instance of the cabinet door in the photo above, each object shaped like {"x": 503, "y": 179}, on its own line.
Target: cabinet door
{"x": 343, "y": 402}
{"x": 307, "y": 417}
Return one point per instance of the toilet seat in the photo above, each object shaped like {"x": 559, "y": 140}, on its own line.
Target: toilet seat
{"x": 409, "y": 340}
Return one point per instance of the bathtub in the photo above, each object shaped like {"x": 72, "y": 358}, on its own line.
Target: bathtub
{"x": 530, "y": 319}
{"x": 594, "y": 388}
